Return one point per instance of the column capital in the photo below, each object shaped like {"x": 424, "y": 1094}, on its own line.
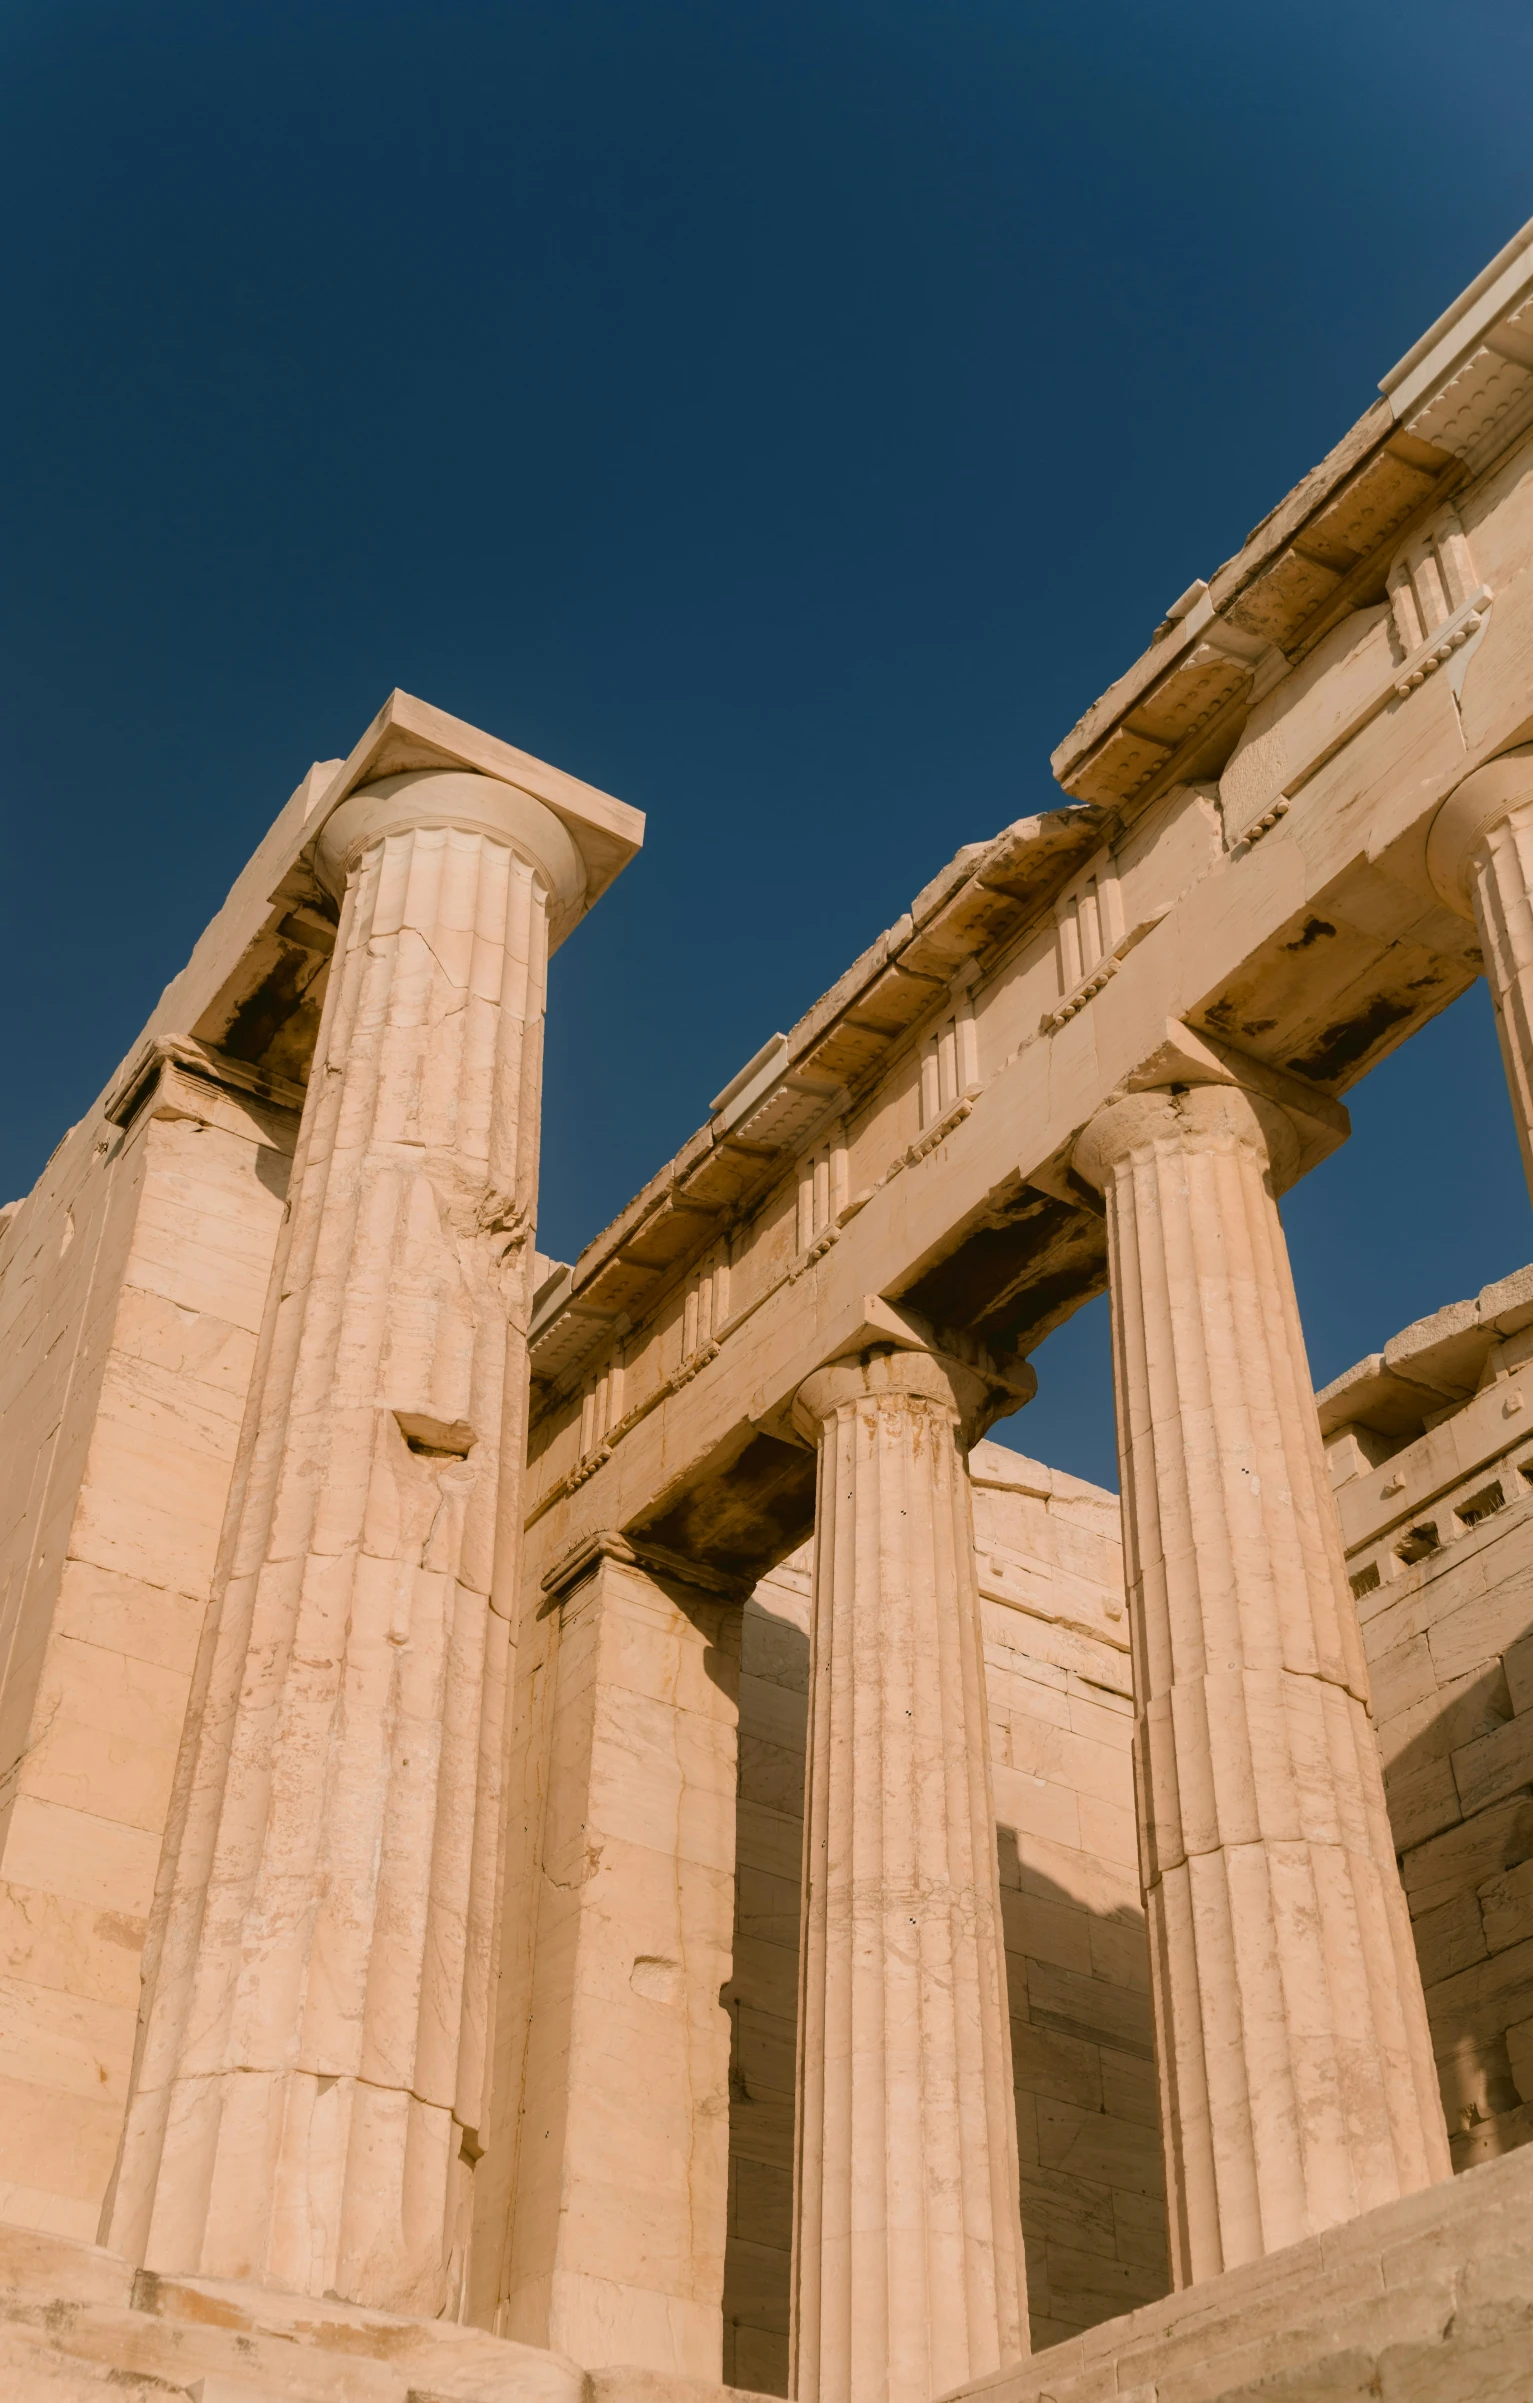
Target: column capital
{"x": 1473, "y": 810}
{"x": 972, "y": 1390}
{"x": 1192, "y": 1116}
{"x": 472, "y": 804}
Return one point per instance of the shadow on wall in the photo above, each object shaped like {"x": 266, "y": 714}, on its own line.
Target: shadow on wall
{"x": 1088, "y": 2122}
{"x": 1093, "y": 2189}
{"x": 762, "y": 1996}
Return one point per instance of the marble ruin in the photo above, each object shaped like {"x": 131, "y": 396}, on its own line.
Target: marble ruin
{"x": 577, "y": 1831}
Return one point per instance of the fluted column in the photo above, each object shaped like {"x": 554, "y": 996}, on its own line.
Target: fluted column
{"x": 309, "y": 2082}
{"x": 1480, "y": 854}
{"x": 1296, "y": 2074}
{"x": 908, "y": 2245}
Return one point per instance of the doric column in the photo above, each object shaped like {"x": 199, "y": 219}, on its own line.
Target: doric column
{"x": 309, "y": 2084}
{"x": 1297, "y": 2083}
{"x": 908, "y": 2268}
{"x": 1480, "y": 855}
{"x": 623, "y": 1940}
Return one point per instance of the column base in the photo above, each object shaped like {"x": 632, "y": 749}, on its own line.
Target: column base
{"x": 78, "y": 2323}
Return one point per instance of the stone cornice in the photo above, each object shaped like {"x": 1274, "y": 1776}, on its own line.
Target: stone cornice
{"x": 1177, "y": 712}
{"x": 1453, "y": 404}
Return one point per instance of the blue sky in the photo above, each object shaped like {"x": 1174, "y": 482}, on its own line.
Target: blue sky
{"x": 788, "y": 416}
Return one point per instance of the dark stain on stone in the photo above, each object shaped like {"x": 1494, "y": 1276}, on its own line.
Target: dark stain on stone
{"x": 1310, "y": 932}
{"x": 1018, "y": 1275}
{"x": 744, "y": 1514}
{"x": 1343, "y": 1045}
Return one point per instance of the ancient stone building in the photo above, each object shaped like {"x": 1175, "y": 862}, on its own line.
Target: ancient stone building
{"x": 574, "y": 1830}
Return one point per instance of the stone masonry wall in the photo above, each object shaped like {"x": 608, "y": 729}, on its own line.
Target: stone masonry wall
{"x": 1439, "y": 1530}
{"x": 132, "y": 1284}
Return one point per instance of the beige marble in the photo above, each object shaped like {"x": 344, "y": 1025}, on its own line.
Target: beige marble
{"x": 907, "y": 2236}
{"x": 262, "y": 1501}
{"x": 1049, "y": 1564}
{"x": 1429, "y": 2300}
{"x": 170, "y": 1246}
{"x": 1425, "y": 2300}
{"x": 78, "y": 2324}
{"x": 1480, "y": 858}
{"x": 620, "y": 2069}
{"x": 1295, "y": 2062}
{"x": 309, "y": 2084}
{"x": 1431, "y": 1452}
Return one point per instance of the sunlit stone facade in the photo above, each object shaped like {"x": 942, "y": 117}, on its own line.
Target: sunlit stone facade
{"x": 581, "y": 1828}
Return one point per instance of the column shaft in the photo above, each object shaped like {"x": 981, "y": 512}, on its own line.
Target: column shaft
{"x": 1480, "y": 858}
{"x": 309, "y": 2084}
{"x": 618, "y": 2213}
{"x": 908, "y": 2250}
{"x": 1297, "y": 2084}
{"x": 1501, "y": 888}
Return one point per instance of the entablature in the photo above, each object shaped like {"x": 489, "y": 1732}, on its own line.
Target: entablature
{"x": 1247, "y": 900}
{"x": 806, "y": 1084}
{"x": 1447, "y": 414}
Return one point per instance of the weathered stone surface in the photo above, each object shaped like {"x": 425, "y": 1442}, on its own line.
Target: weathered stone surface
{"x": 1046, "y": 1549}
{"x": 76, "y": 2320}
{"x": 309, "y": 2088}
{"x": 1423, "y": 2300}
{"x": 616, "y": 2241}
{"x": 1457, "y": 1731}
{"x": 1294, "y": 2056}
{"x": 270, "y": 1764}
{"x": 908, "y": 2243}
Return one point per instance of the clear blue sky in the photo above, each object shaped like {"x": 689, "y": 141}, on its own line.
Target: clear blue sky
{"x": 787, "y": 414}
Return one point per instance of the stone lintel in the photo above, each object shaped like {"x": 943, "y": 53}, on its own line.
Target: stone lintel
{"x": 896, "y": 1235}
{"x": 981, "y": 900}
{"x": 583, "y": 1559}
{"x": 145, "y": 1069}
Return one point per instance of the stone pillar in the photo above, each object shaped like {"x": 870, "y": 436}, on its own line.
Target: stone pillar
{"x": 1480, "y": 856}
{"x": 1296, "y": 2073}
{"x": 908, "y": 2270}
{"x": 308, "y": 2088}
{"x": 621, "y": 2176}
